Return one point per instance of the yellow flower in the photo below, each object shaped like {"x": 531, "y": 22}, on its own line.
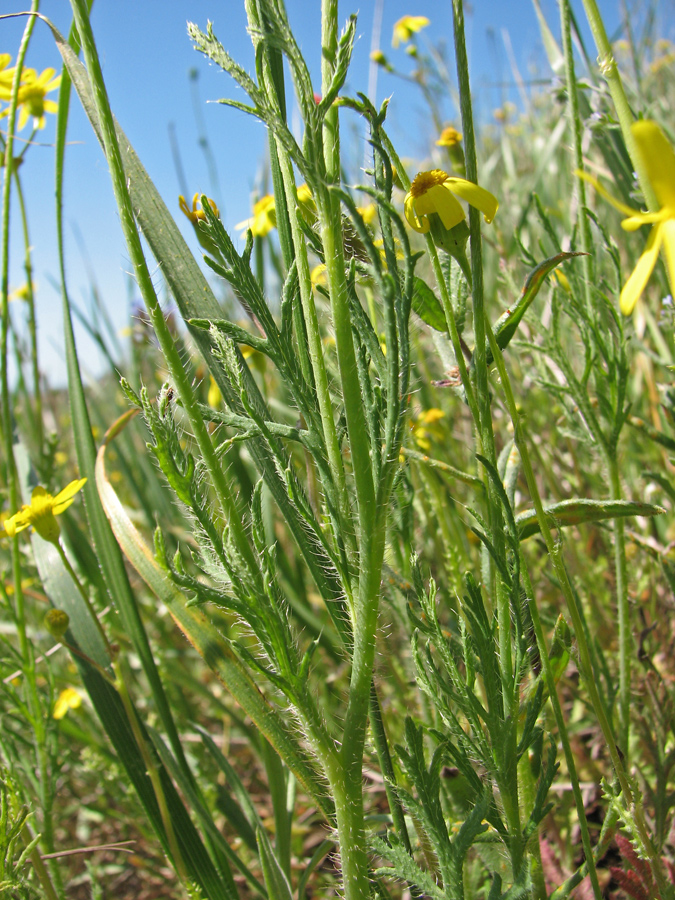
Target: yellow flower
{"x": 215, "y": 398}
{"x": 562, "y": 280}
{"x": 69, "y": 698}
{"x": 6, "y": 77}
{"x": 196, "y": 215}
{"x": 424, "y": 427}
{"x": 42, "y": 512}
{"x": 21, "y": 293}
{"x": 318, "y": 275}
{"x": 368, "y": 213}
{"x": 406, "y": 27}
{"x": 264, "y": 218}
{"x": 450, "y": 137}
{"x": 658, "y": 159}
{"x": 33, "y": 92}
{"x": 434, "y": 192}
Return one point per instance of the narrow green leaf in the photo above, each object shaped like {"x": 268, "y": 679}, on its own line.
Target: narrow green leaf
{"x": 215, "y": 650}
{"x": 404, "y": 867}
{"x": 114, "y": 575}
{"x": 507, "y": 324}
{"x": 220, "y": 848}
{"x": 278, "y": 887}
{"x": 84, "y": 635}
{"x": 577, "y": 512}
{"x": 652, "y": 433}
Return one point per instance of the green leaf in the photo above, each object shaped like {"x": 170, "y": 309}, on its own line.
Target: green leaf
{"x": 404, "y": 867}
{"x": 427, "y": 306}
{"x": 278, "y": 887}
{"x": 507, "y": 324}
{"x": 107, "y": 551}
{"x": 84, "y": 635}
{"x": 342, "y": 60}
{"x": 216, "y": 651}
{"x": 561, "y": 647}
{"x": 578, "y": 512}
{"x": 220, "y": 849}
{"x": 196, "y": 300}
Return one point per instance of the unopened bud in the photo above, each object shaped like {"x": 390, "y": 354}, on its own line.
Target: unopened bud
{"x": 56, "y": 623}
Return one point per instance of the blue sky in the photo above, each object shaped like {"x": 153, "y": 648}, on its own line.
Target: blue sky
{"x": 147, "y": 59}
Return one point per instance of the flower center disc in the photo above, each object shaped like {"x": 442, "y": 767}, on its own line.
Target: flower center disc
{"x": 426, "y": 180}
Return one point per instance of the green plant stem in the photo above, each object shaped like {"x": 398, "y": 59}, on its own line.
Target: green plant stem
{"x": 576, "y": 129}
{"x": 347, "y": 780}
{"x": 510, "y": 692}
{"x": 32, "y": 324}
{"x": 226, "y": 499}
{"x": 610, "y": 72}
{"x": 25, "y": 647}
{"x": 632, "y": 810}
{"x": 625, "y": 117}
{"x": 42, "y": 873}
{"x": 318, "y": 364}
{"x": 623, "y": 606}
{"x": 607, "y": 446}
{"x": 153, "y": 774}
{"x": 382, "y": 746}
{"x": 562, "y": 732}
{"x": 529, "y": 790}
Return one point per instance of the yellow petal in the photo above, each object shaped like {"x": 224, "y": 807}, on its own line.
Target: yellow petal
{"x": 659, "y": 160}
{"x": 67, "y": 699}
{"x": 668, "y": 237}
{"x": 13, "y": 525}
{"x": 617, "y": 204}
{"x": 640, "y": 275}
{"x": 438, "y": 199}
{"x": 406, "y": 26}
{"x": 477, "y": 196}
{"x": 65, "y": 497}
{"x": 419, "y": 225}
{"x": 632, "y": 223}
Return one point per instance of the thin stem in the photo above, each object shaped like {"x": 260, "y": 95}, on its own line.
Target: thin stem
{"x": 632, "y": 810}
{"x": 318, "y": 362}
{"x": 153, "y": 774}
{"x": 42, "y": 872}
{"x": 25, "y": 646}
{"x": 623, "y": 606}
{"x": 226, "y": 498}
{"x": 562, "y": 732}
{"x": 510, "y": 692}
{"x": 610, "y": 72}
{"x": 347, "y": 780}
{"x": 576, "y": 128}
{"x": 32, "y": 324}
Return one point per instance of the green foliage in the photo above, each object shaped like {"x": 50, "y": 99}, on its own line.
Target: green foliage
{"x": 425, "y": 550}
